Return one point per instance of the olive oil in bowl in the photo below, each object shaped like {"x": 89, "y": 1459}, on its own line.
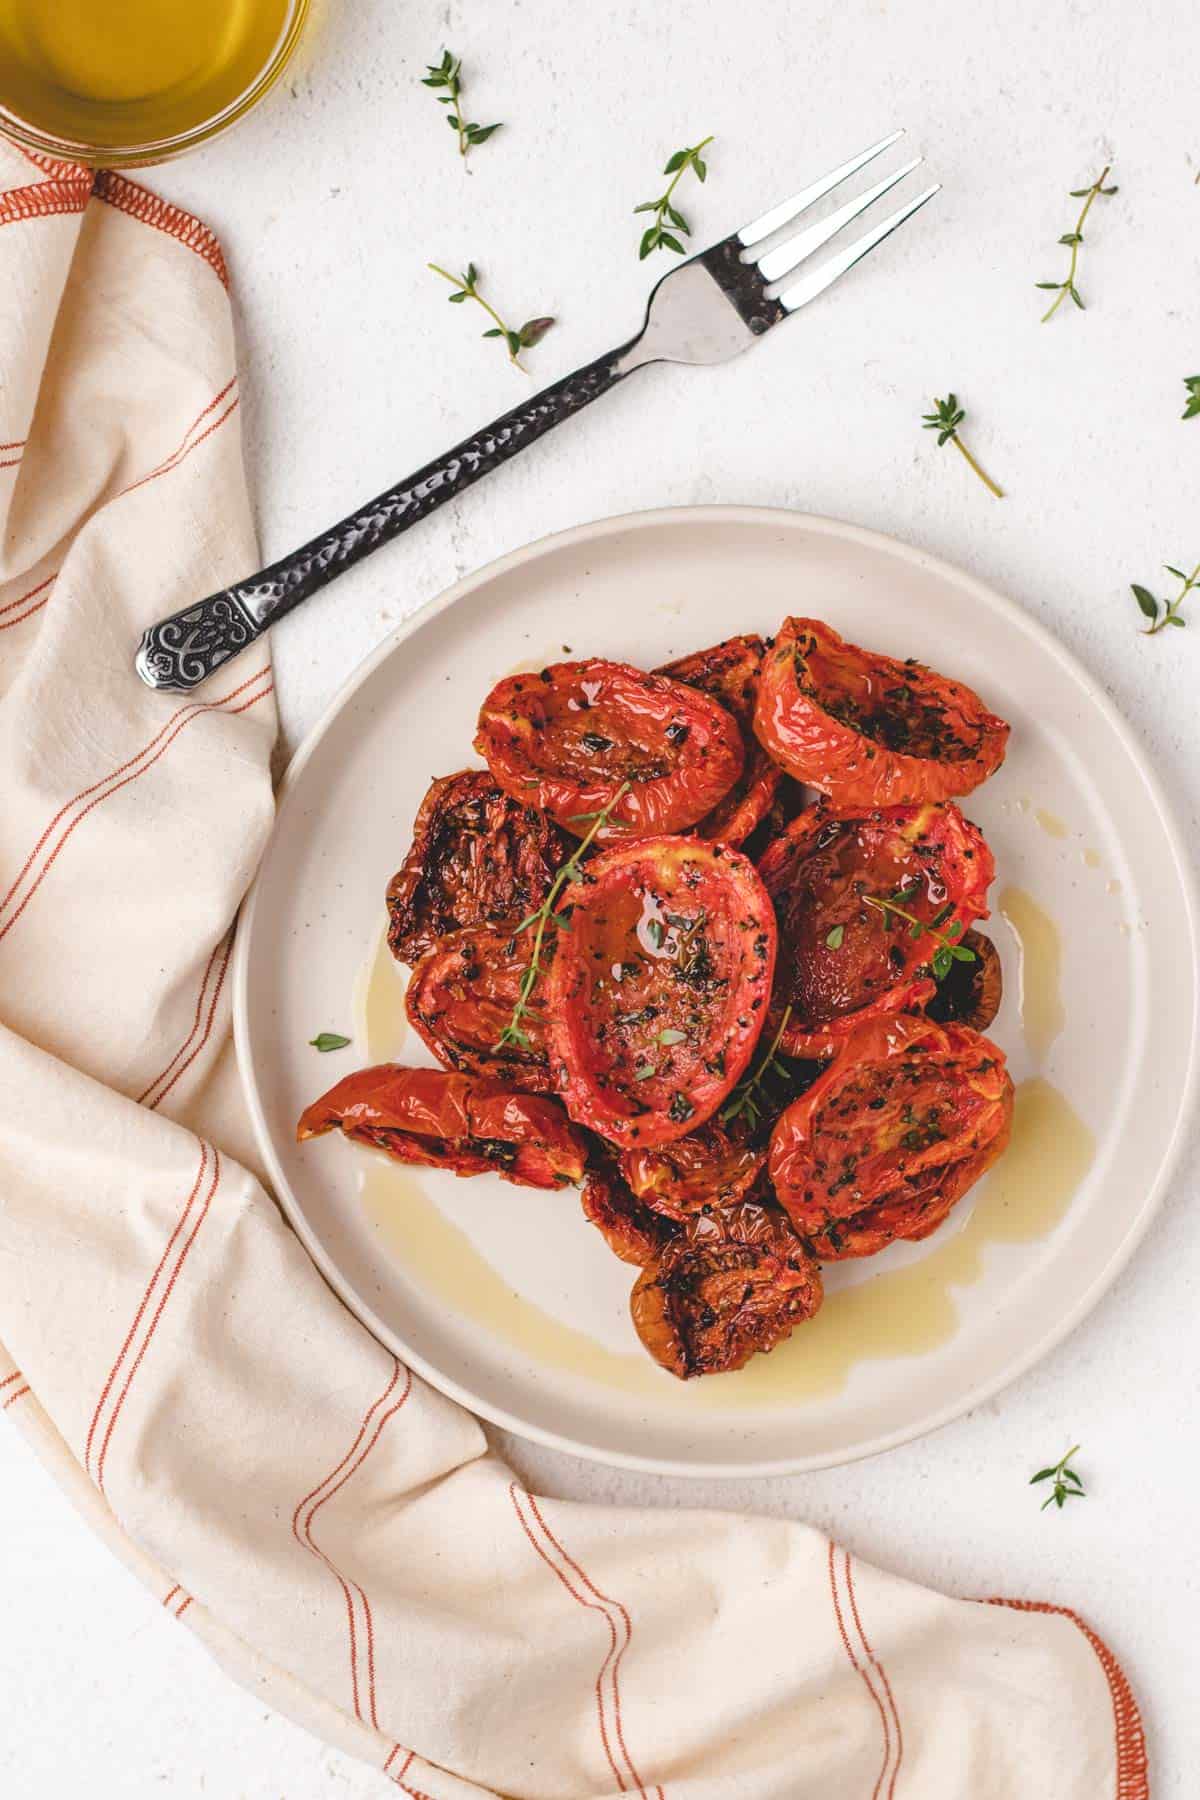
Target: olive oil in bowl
{"x": 129, "y": 80}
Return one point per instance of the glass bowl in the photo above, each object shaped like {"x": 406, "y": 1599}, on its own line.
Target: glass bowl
{"x": 109, "y": 146}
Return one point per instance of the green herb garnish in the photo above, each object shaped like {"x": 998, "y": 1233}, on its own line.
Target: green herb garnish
{"x": 1067, "y": 1485}
{"x": 1192, "y": 384}
{"x": 448, "y": 74}
{"x": 945, "y": 419}
{"x": 1073, "y": 239}
{"x": 747, "y": 1097}
{"x": 947, "y": 951}
{"x": 833, "y": 937}
{"x": 544, "y": 917}
{"x": 656, "y": 236}
{"x": 466, "y": 287}
{"x": 1165, "y": 612}
{"x": 329, "y": 1040}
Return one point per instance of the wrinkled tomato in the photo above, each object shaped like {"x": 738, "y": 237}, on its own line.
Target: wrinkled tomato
{"x": 868, "y": 730}
{"x": 460, "y": 999}
{"x": 847, "y": 889}
{"x": 711, "y": 1168}
{"x": 914, "y": 1213}
{"x": 570, "y": 738}
{"x": 660, "y": 982}
{"x": 729, "y": 672}
{"x": 971, "y": 993}
{"x": 477, "y": 858}
{"x": 628, "y": 1227}
{"x": 452, "y": 1122}
{"x": 905, "y": 1118}
{"x": 705, "y": 1307}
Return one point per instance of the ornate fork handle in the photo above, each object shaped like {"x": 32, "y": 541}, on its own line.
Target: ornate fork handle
{"x": 183, "y": 650}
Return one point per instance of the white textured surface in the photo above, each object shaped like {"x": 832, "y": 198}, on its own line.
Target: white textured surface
{"x": 329, "y": 204}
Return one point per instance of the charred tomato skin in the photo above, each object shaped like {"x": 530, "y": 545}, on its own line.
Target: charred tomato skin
{"x": 628, "y": 1226}
{"x": 477, "y": 858}
{"x": 907, "y": 1113}
{"x": 972, "y": 992}
{"x": 451, "y": 1121}
{"x": 660, "y": 983}
{"x": 817, "y": 873}
{"x": 711, "y": 1167}
{"x": 866, "y": 729}
{"x": 460, "y": 998}
{"x": 705, "y": 1308}
{"x": 566, "y": 740}
{"x": 729, "y": 672}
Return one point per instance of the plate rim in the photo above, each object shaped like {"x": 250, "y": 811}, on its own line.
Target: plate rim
{"x": 1060, "y": 1328}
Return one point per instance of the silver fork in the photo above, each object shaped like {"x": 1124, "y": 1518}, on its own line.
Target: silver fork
{"x": 702, "y": 311}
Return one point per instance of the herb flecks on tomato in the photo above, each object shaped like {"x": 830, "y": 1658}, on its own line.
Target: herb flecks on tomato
{"x": 702, "y": 1308}
{"x": 477, "y": 858}
{"x": 729, "y": 672}
{"x": 461, "y": 997}
{"x": 710, "y": 1169}
{"x": 660, "y": 984}
{"x": 458, "y": 1122}
{"x": 568, "y": 738}
{"x": 866, "y": 729}
{"x": 844, "y": 957}
{"x": 904, "y": 1120}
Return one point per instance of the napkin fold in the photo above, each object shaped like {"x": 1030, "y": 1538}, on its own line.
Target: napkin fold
{"x": 335, "y": 1531}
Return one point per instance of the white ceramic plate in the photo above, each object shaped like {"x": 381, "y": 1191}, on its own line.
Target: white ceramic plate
{"x": 507, "y": 1299}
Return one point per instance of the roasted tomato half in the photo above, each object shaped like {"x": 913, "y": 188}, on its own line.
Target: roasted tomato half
{"x": 704, "y": 1307}
{"x": 972, "y": 991}
{"x": 572, "y": 737}
{"x": 849, "y": 890}
{"x": 711, "y": 1168}
{"x": 452, "y": 1122}
{"x": 477, "y": 858}
{"x": 626, "y": 1224}
{"x": 659, "y": 986}
{"x": 905, "y": 1118}
{"x": 729, "y": 672}
{"x": 868, "y": 730}
{"x": 460, "y": 999}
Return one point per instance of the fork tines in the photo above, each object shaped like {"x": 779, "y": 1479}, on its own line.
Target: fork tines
{"x": 775, "y": 265}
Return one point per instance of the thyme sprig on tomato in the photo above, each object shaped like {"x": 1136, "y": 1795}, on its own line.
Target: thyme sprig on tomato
{"x": 543, "y": 919}
{"x": 761, "y": 1090}
{"x": 947, "y": 952}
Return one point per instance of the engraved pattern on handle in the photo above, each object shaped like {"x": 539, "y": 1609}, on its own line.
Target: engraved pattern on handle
{"x": 181, "y": 651}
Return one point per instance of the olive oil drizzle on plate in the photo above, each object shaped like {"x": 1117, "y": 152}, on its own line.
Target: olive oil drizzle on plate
{"x": 893, "y": 1313}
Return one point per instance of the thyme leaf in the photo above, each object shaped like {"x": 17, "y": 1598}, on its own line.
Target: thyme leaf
{"x": 466, "y": 287}
{"x": 543, "y": 920}
{"x": 669, "y": 223}
{"x": 945, "y": 419}
{"x": 1073, "y": 239}
{"x": 447, "y": 74}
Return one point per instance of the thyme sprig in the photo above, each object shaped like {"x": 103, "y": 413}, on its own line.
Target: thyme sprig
{"x": 1073, "y": 239}
{"x": 1192, "y": 384}
{"x": 1067, "y": 1485}
{"x": 947, "y": 951}
{"x": 1165, "y": 612}
{"x": 945, "y": 419}
{"x": 545, "y": 918}
{"x": 448, "y": 74}
{"x": 466, "y": 287}
{"x": 748, "y": 1096}
{"x": 656, "y": 236}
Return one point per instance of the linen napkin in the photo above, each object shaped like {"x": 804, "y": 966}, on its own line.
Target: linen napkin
{"x": 335, "y": 1531}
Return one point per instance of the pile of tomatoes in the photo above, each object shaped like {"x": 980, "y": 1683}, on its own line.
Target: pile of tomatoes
{"x": 701, "y": 940}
